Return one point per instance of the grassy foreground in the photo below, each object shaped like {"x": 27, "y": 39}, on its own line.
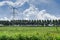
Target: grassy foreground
{"x": 29, "y": 33}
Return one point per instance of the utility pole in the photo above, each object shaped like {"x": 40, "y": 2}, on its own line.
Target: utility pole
{"x": 13, "y": 13}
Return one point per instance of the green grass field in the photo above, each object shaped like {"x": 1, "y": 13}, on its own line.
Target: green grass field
{"x": 29, "y": 33}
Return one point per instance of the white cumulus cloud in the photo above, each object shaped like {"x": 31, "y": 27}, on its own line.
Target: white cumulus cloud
{"x": 33, "y": 13}
{"x": 17, "y": 3}
{"x": 30, "y": 13}
{"x": 4, "y": 18}
{"x": 21, "y": 2}
{"x": 43, "y": 15}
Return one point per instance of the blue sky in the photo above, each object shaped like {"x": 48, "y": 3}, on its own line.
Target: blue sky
{"x": 51, "y": 6}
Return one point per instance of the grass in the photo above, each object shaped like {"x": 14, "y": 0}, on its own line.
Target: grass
{"x": 29, "y": 33}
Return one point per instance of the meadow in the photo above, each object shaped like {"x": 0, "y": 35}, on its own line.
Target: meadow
{"x": 29, "y": 33}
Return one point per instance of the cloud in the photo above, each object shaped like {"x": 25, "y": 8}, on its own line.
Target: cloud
{"x": 30, "y": 13}
{"x": 6, "y": 2}
{"x": 21, "y": 2}
{"x": 33, "y": 13}
{"x": 14, "y": 4}
{"x": 43, "y": 15}
{"x": 2, "y": 3}
{"x": 9, "y": 19}
{"x": 5, "y": 18}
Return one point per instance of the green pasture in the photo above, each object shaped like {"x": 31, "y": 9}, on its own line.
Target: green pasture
{"x": 45, "y": 33}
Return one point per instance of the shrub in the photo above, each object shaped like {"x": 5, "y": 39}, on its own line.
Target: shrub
{"x": 57, "y": 38}
{"x": 3, "y": 37}
{"x": 11, "y": 38}
{"x": 20, "y": 37}
{"x": 35, "y": 38}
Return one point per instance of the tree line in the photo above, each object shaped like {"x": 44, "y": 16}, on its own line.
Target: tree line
{"x": 31, "y": 22}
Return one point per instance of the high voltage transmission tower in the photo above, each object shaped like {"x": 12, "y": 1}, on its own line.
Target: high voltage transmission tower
{"x": 14, "y": 13}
